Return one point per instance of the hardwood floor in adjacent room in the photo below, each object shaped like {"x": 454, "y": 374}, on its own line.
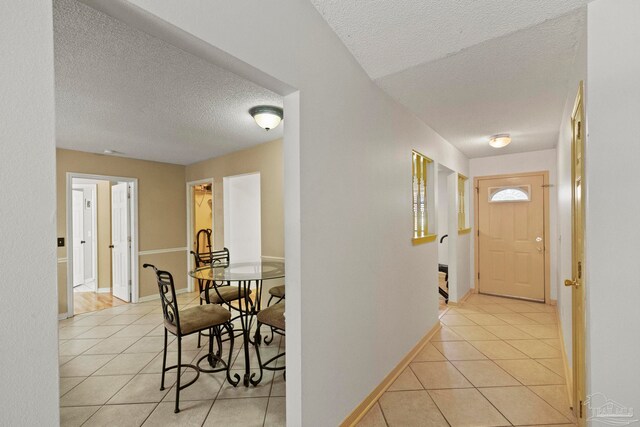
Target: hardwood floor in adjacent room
{"x": 85, "y": 302}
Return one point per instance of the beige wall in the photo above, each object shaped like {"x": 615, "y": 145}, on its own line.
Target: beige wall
{"x": 264, "y": 158}
{"x": 161, "y": 212}
{"x": 104, "y": 234}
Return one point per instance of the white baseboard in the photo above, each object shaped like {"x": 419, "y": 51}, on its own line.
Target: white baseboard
{"x": 63, "y": 316}
{"x": 157, "y": 296}
{"x": 104, "y": 290}
{"x": 272, "y": 258}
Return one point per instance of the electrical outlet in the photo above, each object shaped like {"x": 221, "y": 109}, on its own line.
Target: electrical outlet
{"x": 61, "y": 242}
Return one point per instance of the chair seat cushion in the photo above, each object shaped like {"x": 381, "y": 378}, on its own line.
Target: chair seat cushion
{"x": 198, "y": 318}
{"x": 228, "y": 293}
{"x": 277, "y": 291}
{"x": 273, "y": 316}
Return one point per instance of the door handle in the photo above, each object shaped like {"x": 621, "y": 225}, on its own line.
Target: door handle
{"x": 82, "y": 242}
{"x": 110, "y": 246}
{"x": 571, "y": 282}
{"x": 539, "y": 250}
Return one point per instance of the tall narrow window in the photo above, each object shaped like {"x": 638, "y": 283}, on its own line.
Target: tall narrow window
{"x": 463, "y": 202}
{"x": 422, "y": 193}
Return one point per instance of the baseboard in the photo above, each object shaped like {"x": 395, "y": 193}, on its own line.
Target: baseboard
{"x": 157, "y": 296}
{"x": 272, "y": 258}
{"x": 104, "y": 290}
{"x": 552, "y": 302}
{"x": 360, "y": 411}
{"x": 463, "y": 299}
{"x": 568, "y": 373}
{"x": 63, "y": 316}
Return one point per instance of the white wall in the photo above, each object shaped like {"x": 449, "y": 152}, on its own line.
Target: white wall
{"x": 28, "y": 304}
{"x": 533, "y": 161}
{"x": 563, "y": 192}
{"x": 351, "y": 145}
{"x": 612, "y": 235}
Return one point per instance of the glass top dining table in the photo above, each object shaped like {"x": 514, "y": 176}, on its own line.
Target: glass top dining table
{"x": 248, "y": 277}
{"x": 240, "y": 271}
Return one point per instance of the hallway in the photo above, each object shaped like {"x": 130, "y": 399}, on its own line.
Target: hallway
{"x": 494, "y": 362}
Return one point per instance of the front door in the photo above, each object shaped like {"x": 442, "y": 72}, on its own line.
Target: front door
{"x": 120, "y": 241}
{"x": 511, "y": 236}
{"x": 577, "y": 252}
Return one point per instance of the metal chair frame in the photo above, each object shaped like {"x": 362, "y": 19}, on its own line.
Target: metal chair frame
{"x": 171, "y": 314}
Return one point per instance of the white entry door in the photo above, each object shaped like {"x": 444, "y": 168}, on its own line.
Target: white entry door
{"x": 242, "y": 219}
{"x": 121, "y": 242}
{"x": 78, "y": 236}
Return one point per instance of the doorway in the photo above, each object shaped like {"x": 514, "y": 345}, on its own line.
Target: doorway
{"x": 512, "y": 231}
{"x": 447, "y": 236}
{"x": 200, "y": 220}
{"x": 242, "y": 217}
{"x": 102, "y": 236}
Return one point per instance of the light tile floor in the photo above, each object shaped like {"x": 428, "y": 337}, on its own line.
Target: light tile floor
{"x": 494, "y": 362}
{"x": 110, "y": 364}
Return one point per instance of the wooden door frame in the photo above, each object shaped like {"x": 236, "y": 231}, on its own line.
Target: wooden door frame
{"x": 578, "y": 385}
{"x": 547, "y": 255}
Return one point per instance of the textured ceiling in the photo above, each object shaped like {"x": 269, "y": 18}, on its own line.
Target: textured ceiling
{"x": 468, "y": 68}
{"x": 390, "y": 36}
{"x": 118, "y": 88}
{"x": 515, "y": 84}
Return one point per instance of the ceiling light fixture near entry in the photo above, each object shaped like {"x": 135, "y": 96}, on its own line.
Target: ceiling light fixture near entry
{"x": 500, "y": 140}
{"x": 267, "y": 117}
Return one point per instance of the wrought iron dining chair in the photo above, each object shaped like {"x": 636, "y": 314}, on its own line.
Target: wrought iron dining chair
{"x": 203, "y": 240}
{"x": 212, "y": 292}
{"x": 273, "y": 317}
{"x": 276, "y": 292}
{"x": 185, "y": 322}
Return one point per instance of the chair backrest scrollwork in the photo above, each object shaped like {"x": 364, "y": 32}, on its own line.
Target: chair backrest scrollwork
{"x": 167, "y": 291}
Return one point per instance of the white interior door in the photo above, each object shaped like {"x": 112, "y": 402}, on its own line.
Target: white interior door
{"x": 78, "y": 237}
{"x": 120, "y": 239}
{"x": 242, "y": 217}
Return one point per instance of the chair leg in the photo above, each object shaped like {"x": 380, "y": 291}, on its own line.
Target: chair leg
{"x": 178, "y": 369}
{"x": 164, "y": 360}
{"x": 234, "y": 382}
{"x": 257, "y": 347}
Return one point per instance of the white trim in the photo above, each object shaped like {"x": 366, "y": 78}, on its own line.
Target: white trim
{"x": 63, "y": 316}
{"x": 161, "y": 251}
{"x": 190, "y": 228}
{"x": 156, "y": 296}
{"x": 135, "y": 273}
{"x": 104, "y": 290}
{"x": 272, "y": 258}
{"x": 62, "y": 260}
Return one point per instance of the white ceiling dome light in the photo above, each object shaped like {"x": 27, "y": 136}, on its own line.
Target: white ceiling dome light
{"x": 267, "y": 117}
{"x": 500, "y": 140}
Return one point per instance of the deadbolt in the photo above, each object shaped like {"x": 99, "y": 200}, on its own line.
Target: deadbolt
{"x": 538, "y": 239}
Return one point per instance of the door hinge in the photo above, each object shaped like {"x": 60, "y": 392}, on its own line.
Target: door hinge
{"x": 579, "y": 269}
{"x": 478, "y": 276}
{"x": 581, "y": 409}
